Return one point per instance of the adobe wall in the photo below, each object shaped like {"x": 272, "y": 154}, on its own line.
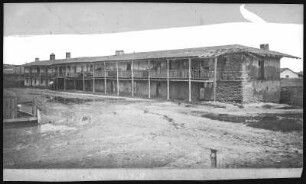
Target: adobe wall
{"x": 261, "y": 91}
{"x": 256, "y": 89}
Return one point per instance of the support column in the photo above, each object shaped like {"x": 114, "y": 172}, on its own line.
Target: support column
{"x": 132, "y": 69}
{"x": 65, "y": 78}
{"x": 215, "y": 78}
{"x": 46, "y": 79}
{"x": 93, "y": 78}
{"x": 57, "y": 78}
{"x": 189, "y": 80}
{"x": 104, "y": 78}
{"x": 149, "y": 81}
{"x": 168, "y": 82}
{"x": 117, "y": 78}
{"x": 83, "y": 78}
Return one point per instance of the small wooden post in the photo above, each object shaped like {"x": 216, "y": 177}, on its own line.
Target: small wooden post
{"x": 168, "y": 82}
{"x": 213, "y": 158}
{"x": 93, "y": 78}
{"x": 215, "y": 79}
{"x": 104, "y": 78}
{"x": 149, "y": 81}
{"x": 34, "y": 107}
{"x": 117, "y": 78}
{"x": 189, "y": 79}
{"x": 132, "y": 76}
{"x": 83, "y": 78}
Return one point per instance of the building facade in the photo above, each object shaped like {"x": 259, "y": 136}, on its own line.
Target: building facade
{"x": 233, "y": 73}
{"x": 288, "y": 74}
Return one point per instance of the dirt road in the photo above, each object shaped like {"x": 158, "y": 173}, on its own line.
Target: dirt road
{"x": 79, "y": 131}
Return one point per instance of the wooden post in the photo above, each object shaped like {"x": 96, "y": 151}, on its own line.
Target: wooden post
{"x": 213, "y": 157}
{"x": 46, "y": 78}
{"x": 65, "y": 78}
{"x": 117, "y": 78}
{"x": 215, "y": 78}
{"x": 149, "y": 82}
{"x": 189, "y": 79}
{"x": 93, "y": 78}
{"x": 58, "y": 78}
{"x": 168, "y": 82}
{"x": 19, "y": 77}
{"x": 83, "y": 78}
{"x": 30, "y": 72}
{"x": 132, "y": 69}
{"x": 104, "y": 78}
{"x": 34, "y": 107}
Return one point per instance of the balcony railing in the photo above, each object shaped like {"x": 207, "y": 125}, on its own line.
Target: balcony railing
{"x": 144, "y": 74}
{"x": 202, "y": 74}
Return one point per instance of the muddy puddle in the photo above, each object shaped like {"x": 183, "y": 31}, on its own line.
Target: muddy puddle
{"x": 69, "y": 101}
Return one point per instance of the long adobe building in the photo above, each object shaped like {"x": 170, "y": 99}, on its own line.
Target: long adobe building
{"x": 226, "y": 73}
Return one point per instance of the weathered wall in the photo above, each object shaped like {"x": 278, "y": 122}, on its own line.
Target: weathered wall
{"x": 125, "y": 87}
{"x": 178, "y": 90}
{"x": 229, "y": 91}
{"x": 261, "y": 91}
{"x": 141, "y": 88}
{"x": 228, "y": 67}
{"x": 99, "y": 85}
{"x": 257, "y": 89}
{"x": 162, "y": 89}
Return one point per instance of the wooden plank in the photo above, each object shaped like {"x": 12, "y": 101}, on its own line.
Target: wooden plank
{"x": 19, "y": 120}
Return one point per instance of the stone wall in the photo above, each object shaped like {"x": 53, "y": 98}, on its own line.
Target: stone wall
{"x": 229, "y": 91}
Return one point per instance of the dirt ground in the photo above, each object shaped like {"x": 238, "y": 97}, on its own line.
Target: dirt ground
{"x": 87, "y": 131}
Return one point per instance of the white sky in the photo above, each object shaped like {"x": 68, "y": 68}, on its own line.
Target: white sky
{"x": 286, "y": 38}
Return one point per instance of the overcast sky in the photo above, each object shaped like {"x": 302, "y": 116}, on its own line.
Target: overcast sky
{"x": 36, "y": 29}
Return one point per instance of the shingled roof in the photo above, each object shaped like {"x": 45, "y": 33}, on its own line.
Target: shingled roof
{"x": 202, "y": 52}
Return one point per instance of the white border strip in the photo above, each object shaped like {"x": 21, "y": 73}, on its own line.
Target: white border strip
{"x": 145, "y": 174}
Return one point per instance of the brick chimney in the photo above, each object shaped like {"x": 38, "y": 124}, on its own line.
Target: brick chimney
{"x": 36, "y": 59}
{"x": 264, "y": 46}
{"x": 119, "y": 52}
{"x": 68, "y": 55}
{"x": 52, "y": 56}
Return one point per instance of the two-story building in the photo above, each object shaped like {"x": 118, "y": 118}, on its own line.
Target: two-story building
{"x": 221, "y": 73}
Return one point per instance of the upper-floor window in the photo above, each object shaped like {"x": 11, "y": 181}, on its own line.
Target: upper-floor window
{"x": 261, "y": 70}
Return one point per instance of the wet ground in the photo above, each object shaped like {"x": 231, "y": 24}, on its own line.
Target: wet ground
{"x": 85, "y": 131}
